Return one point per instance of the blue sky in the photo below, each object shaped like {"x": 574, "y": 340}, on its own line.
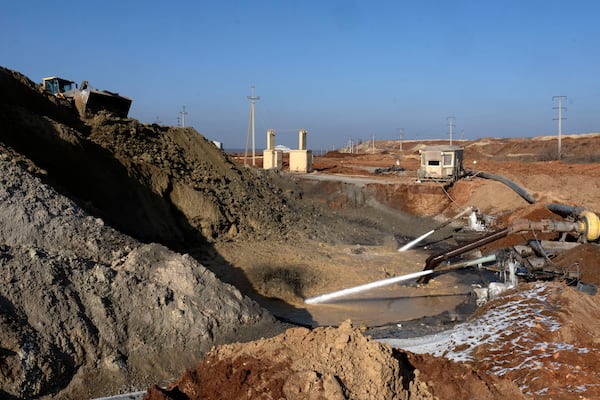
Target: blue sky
{"x": 340, "y": 69}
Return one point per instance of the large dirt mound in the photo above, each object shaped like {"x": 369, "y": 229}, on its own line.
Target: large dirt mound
{"x": 156, "y": 183}
{"x": 86, "y": 308}
{"x": 325, "y": 363}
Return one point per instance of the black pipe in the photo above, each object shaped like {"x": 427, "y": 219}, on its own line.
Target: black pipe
{"x": 518, "y": 189}
{"x": 435, "y": 259}
{"x": 564, "y": 210}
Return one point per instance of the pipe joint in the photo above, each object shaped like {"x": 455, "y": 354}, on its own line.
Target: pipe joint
{"x": 591, "y": 225}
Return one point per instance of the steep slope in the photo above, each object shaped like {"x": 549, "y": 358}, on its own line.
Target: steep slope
{"x": 86, "y": 310}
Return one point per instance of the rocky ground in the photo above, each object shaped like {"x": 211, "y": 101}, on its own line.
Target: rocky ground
{"x": 127, "y": 251}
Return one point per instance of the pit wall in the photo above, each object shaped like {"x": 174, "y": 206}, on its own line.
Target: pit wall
{"x": 414, "y": 199}
{"x": 421, "y": 200}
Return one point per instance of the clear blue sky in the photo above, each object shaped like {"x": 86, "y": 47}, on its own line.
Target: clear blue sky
{"x": 340, "y": 69}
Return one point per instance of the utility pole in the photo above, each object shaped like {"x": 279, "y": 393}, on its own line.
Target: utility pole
{"x": 373, "y": 144}
{"x": 560, "y": 119}
{"x": 401, "y": 136}
{"x": 183, "y": 114}
{"x": 451, "y": 125}
{"x": 247, "y": 140}
{"x": 252, "y": 99}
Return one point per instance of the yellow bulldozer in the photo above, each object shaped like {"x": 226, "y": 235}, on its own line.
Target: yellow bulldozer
{"x": 87, "y": 100}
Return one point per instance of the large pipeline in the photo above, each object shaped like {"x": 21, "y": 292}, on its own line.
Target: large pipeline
{"x": 367, "y": 286}
{"x": 434, "y": 260}
{"x": 519, "y": 226}
{"x": 514, "y": 186}
{"x": 564, "y": 210}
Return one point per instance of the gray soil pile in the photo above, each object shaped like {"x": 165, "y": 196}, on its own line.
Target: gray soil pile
{"x": 86, "y": 310}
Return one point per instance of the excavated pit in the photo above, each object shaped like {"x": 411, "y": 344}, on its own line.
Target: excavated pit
{"x": 376, "y": 216}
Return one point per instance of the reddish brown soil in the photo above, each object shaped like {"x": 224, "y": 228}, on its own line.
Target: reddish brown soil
{"x": 327, "y": 363}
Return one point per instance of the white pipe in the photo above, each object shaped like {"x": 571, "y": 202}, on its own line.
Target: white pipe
{"x": 125, "y": 396}
{"x": 415, "y": 241}
{"x": 423, "y": 236}
{"x": 345, "y": 292}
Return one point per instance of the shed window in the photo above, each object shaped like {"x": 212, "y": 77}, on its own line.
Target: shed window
{"x": 447, "y": 160}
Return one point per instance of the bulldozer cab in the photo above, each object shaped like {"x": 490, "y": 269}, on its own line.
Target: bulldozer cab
{"x": 56, "y": 85}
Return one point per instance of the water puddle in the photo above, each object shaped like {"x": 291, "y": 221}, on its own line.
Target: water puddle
{"x": 392, "y": 304}
{"x": 383, "y": 308}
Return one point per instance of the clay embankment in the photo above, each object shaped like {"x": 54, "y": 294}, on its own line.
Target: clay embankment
{"x": 327, "y": 363}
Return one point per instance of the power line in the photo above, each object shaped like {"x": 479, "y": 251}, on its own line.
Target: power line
{"x": 560, "y": 119}
{"x": 373, "y": 152}
{"x": 247, "y": 140}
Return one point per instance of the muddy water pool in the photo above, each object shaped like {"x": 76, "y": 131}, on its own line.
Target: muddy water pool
{"x": 395, "y": 304}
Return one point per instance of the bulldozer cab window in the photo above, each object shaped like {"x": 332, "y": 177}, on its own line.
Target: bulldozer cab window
{"x": 65, "y": 86}
{"x": 52, "y": 86}
{"x": 58, "y": 85}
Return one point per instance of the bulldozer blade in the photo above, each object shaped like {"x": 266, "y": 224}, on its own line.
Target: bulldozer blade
{"x": 91, "y": 101}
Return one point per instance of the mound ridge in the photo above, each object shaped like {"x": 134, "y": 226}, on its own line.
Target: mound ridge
{"x": 155, "y": 183}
